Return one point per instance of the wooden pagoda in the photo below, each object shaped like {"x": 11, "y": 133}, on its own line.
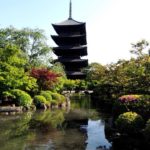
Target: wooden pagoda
{"x": 72, "y": 45}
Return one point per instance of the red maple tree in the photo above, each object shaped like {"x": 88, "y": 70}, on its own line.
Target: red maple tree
{"x": 46, "y": 79}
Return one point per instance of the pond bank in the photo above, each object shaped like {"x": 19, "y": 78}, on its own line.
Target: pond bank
{"x": 12, "y": 109}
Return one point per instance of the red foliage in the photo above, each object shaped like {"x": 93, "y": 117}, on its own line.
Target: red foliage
{"x": 45, "y": 78}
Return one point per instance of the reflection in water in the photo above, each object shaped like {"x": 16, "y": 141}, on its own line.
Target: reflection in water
{"x": 96, "y": 135}
{"x": 54, "y": 130}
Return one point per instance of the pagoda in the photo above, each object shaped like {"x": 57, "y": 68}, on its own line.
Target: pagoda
{"x": 71, "y": 46}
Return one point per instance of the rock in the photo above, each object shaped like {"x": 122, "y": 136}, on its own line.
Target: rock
{"x": 11, "y": 109}
{"x": 63, "y": 105}
{"x": 43, "y": 106}
{"x": 83, "y": 128}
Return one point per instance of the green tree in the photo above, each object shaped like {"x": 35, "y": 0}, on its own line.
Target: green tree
{"x": 95, "y": 71}
{"x": 139, "y": 48}
{"x": 69, "y": 85}
{"x": 59, "y": 68}
{"x": 31, "y": 41}
{"x": 12, "y": 73}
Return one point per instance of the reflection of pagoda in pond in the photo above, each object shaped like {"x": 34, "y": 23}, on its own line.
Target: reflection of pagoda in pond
{"x": 71, "y": 41}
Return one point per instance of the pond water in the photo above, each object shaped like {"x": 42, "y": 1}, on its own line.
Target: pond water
{"x": 79, "y": 128}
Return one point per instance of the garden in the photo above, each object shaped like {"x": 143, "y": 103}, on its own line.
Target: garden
{"x": 29, "y": 80}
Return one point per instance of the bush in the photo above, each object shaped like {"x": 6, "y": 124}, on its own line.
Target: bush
{"x": 147, "y": 131}
{"x": 39, "y": 100}
{"x": 129, "y": 122}
{"x": 47, "y": 95}
{"x": 135, "y": 103}
{"x": 129, "y": 98}
{"x": 21, "y": 98}
{"x": 63, "y": 98}
{"x": 57, "y": 98}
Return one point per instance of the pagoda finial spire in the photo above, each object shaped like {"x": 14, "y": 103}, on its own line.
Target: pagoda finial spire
{"x": 70, "y": 10}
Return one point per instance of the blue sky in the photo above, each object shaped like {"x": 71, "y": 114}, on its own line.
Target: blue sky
{"x": 112, "y": 25}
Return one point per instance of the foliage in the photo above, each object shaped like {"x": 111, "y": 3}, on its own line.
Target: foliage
{"x": 57, "y": 98}
{"x": 81, "y": 85}
{"x": 59, "y": 69}
{"x": 95, "y": 74}
{"x": 139, "y": 48}
{"x": 137, "y": 103}
{"x": 95, "y": 71}
{"x": 21, "y": 98}
{"x": 47, "y": 95}
{"x": 147, "y": 131}
{"x": 125, "y": 77}
{"x": 129, "y": 98}
{"x": 129, "y": 122}
{"x": 75, "y": 85}
{"x": 46, "y": 79}
{"x": 12, "y": 72}
{"x": 69, "y": 85}
{"x": 31, "y": 41}
{"x": 39, "y": 100}
{"x": 62, "y": 98}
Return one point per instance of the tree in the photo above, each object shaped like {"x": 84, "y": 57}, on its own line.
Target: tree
{"x": 69, "y": 85}
{"x": 31, "y": 41}
{"x": 95, "y": 71}
{"x": 139, "y": 48}
{"x": 12, "y": 73}
{"x": 59, "y": 69}
{"x": 46, "y": 79}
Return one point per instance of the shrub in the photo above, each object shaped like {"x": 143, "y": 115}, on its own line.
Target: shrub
{"x": 47, "y": 95}
{"x": 136, "y": 103}
{"x": 129, "y": 98}
{"x": 129, "y": 122}
{"x": 63, "y": 98}
{"x": 54, "y": 102}
{"x": 39, "y": 100}
{"x": 21, "y": 98}
{"x": 57, "y": 98}
{"x": 147, "y": 131}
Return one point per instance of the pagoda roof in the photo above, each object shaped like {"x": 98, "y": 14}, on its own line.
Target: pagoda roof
{"x": 69, "y": 40}
{"x": 75, "y": 75}
{"x": 70, "y": 51}
{"x": 72, "y": 60}
{"x": 69, "y": 22}
{"x": 70, "y": 47}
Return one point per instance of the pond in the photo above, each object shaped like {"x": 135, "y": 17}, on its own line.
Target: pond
{"x": 80, "y": 127}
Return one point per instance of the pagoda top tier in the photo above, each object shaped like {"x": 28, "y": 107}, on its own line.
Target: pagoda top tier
{"x": 70, "y": 26}
{"x": 69, "y": 22}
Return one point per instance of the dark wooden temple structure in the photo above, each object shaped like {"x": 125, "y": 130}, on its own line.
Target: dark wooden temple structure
{"x": 71, "y": 46}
